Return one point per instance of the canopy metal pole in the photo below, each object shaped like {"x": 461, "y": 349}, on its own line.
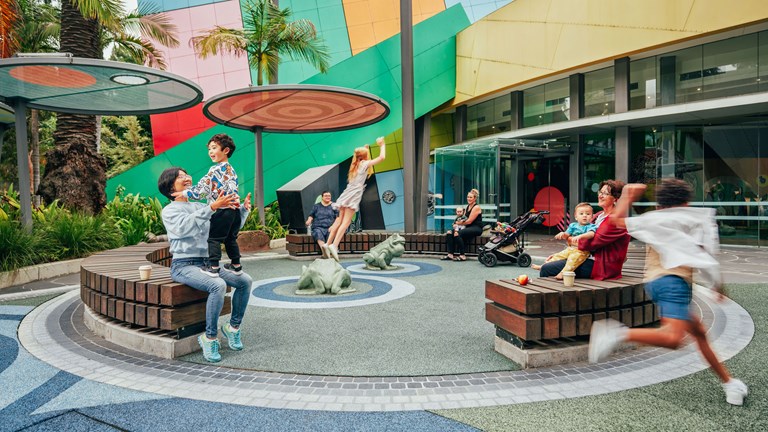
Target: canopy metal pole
{"x": 3, "y": 130}
{"x": 22, "y": 161}
{"x": 258, "y": 176}
{"x": 409, "y": 135}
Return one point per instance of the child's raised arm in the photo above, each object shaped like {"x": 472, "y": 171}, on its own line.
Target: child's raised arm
{"x": 382, "y": 152}
{"x": 631, "y": 193}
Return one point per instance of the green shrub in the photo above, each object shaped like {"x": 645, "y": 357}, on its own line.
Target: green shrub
{"x": 75, "y": 235}
{"x": 9, "y": 205}
{"x": 135, "y": 216}
{"x": 18, "y": 248}
{"x": 273, "y": 228}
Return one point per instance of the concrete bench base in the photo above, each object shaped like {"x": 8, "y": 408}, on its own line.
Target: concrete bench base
{"x": 544, "y": 354}
{"x": 153, "y": 342}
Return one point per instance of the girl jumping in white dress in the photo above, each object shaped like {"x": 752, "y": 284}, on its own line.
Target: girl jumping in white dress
{"x": 349, "y": 201}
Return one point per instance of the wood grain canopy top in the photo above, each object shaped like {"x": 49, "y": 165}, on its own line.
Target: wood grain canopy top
{"x": 296, "y": 108}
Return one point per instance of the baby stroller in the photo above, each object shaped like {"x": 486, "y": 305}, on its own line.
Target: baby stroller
{"x": 508, "y": 241}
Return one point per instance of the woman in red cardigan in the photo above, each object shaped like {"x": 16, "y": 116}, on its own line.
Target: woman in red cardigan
{"x": 608, "y": 246}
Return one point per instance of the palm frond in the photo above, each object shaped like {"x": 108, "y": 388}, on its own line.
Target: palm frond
{"x": 133, "y": 49}
{"x": 9, "y": 16}
{"x": 150, "y": 23}
{"x": 219, "y": 39}
{"x": 107, "y": 12}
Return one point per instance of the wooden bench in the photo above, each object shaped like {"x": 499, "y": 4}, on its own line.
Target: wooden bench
{"x": 415, "y": 243}
{"x": 111, "y": 287}
{"x": 545, "y": 310}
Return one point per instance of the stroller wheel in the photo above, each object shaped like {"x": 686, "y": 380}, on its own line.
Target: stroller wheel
{"x": 524, "y": 260}
{"x": 488, "y": 259}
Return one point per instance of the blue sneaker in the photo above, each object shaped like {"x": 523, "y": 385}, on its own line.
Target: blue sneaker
{"x": 233, "y": 337}
{"x": 210, "y": 348}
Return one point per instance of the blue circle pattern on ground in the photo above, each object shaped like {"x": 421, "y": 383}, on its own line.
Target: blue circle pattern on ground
{"x": 423, "y": 269}
{"x": 267, "y": 291}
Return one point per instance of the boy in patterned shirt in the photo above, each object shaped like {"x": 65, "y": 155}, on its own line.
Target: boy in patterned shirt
{"x": 225, "y": 222}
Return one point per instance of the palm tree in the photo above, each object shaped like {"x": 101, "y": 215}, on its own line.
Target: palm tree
{"x": 76, "y": 173}
{"x": 9, "y": 16}
{"x": 266, "y": 36}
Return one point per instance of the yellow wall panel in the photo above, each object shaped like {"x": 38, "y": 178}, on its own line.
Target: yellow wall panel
{"x": 529, "y": 39}
{"x": 372, "y": 21}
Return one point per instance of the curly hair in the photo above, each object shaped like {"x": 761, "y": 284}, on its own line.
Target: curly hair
{"x": 615, "y": 185}
{"x": 673, "y": 192}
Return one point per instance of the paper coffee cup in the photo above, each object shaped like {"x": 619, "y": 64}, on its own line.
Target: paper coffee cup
{"x": 145, "y": 272}
{"x": 569, "y": 278}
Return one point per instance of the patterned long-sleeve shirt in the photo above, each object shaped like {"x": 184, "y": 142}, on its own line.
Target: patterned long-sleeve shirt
{"x": 221, "y": 179}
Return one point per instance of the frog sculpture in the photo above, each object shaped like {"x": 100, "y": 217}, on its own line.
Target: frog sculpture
{"x": 324, "y": 276}
{"x": 380, "y": 256}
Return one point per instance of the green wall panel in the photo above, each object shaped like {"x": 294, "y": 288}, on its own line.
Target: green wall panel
{"x": 287, "y": 155}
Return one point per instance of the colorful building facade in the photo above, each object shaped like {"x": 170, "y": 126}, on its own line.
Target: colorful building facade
{"x": 545, "y": 97}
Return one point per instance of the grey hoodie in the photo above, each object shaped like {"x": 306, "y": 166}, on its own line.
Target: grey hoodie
{"x": 188, "y": 224}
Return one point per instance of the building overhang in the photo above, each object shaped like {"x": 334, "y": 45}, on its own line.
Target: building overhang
{"x": 735, "y": 109}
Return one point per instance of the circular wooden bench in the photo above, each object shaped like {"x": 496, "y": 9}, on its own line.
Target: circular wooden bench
{"x": 110, "y": 286}
{"x": 546, "y": 314}
{"x": 415, "y": 243}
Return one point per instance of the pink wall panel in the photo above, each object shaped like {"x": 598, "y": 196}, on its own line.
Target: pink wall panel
{"x": 215, "y": 74}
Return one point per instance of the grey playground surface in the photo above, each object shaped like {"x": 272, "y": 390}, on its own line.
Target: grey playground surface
{"x": 34, "y": 395}
{"x": 439, "y": 329}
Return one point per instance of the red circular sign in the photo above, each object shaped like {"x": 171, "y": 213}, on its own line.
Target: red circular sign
{"x": 550, "y": 198}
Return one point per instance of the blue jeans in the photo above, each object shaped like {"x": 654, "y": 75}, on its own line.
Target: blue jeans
{"x": 187, "y": 271}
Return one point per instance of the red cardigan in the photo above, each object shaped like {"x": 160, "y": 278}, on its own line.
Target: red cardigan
{"x": 609, "y": 248}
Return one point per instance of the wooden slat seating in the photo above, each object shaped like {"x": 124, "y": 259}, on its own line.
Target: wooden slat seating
{"x": 110, "y": 286}
{"x": 415, "y": 243}
{"x": 545, "y": 309}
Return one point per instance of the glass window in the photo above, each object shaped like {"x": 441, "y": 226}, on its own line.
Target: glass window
{"x": 732, "y": 170}
{"x": 599, "y": 92}
{"x": 762, "y": 55}
{"x": 643, "y": 88}
{"x": 680, "y": 76}
{"x": 545, "y": 104}
{"x": 599, "y": 163}
{"x": 457, "y": 170}
{"x": 730, "y": 67}
{"x": 489, "y": 117}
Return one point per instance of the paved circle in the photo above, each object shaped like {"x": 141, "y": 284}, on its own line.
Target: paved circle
{"x": 383, "y": 290}
{"x": 55, "y": 333}
{"x": 403, "y": 269}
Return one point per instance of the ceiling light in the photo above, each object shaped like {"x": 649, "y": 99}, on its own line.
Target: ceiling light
{"x": 129, "y": 79}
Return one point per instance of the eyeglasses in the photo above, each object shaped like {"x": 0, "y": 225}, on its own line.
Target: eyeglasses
{"x": 601, "y": 193}
{"x": 183, "y": 176}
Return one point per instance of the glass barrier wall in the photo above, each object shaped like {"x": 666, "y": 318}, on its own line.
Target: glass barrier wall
{"x": 726, "y": 165}
{"x": 489, "y": 117}
{"x": 724, "y": 68}
{"x": 599, "y": 92}
{"x": 545, "y": 104}
{"x": 459, "y": 169}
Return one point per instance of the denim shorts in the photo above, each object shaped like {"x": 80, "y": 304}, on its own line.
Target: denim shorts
{"x": 673, "y": 296}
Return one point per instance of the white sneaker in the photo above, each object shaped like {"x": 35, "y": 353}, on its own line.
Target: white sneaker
{"x": 735, "y": 391}
{"x": 324, "y": 251}
{"x": 603, "y": 338}
{"x": 333, "y": 252}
